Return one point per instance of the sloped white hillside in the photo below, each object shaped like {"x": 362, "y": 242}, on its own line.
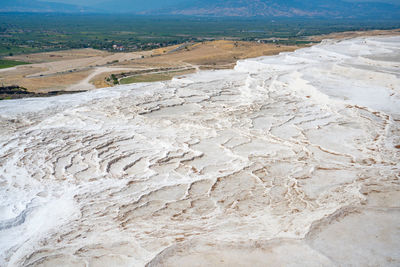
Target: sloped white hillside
{"x": 285, "y": 160}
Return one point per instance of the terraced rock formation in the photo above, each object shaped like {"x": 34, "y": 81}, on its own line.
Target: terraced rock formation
{"x": 285, "y": 160}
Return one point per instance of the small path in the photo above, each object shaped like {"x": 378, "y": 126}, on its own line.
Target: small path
{"x": 85, "y": 83}
{"x": 8, "y": 69}
{"x": 179, "y": 48}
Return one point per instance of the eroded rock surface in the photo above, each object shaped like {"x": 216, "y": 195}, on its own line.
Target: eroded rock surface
{"x": 288, "y": 160}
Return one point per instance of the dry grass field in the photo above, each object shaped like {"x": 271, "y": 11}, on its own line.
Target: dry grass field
{"x": 353, "y": 34}
{"x": 60, "y": 55}
{"x": 215, "y": 54}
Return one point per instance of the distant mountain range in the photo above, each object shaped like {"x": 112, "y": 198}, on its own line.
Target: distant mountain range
{"x": 284, "y": 8}
{"x": 40, "y": 6}
{"x": 371, "y": 9}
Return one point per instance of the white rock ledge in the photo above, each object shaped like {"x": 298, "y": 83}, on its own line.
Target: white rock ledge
{"x": 290, "y": 160}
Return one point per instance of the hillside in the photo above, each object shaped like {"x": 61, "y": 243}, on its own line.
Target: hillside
{"x": 39, "y": 6}
{"x": 289, "y": 8}
{"x": 86, "y": 69}
{"x": 373, "y": 9}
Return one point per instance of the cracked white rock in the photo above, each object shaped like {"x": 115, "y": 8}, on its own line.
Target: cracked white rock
{"x": 286, "y": 160}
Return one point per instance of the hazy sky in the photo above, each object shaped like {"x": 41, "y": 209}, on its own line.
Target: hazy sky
{"x": 91, "y": 2}
{"x": 96, "y": 2}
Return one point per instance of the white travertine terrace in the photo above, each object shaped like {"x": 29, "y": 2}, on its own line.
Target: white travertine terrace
{"x": 289, "y": 160}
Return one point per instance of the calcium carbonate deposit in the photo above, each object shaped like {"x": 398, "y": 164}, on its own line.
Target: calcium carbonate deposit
{"x": 289, "y": 160}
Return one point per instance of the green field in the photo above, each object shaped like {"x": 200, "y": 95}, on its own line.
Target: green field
{"x": 147, "y": 78}
{"x": 10, "y": 63}
{"x": 26, "y": 33}
{"x": 153, "y": 77}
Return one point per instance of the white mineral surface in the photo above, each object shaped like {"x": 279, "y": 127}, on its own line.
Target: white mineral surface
{"x": 290, "y": 160}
